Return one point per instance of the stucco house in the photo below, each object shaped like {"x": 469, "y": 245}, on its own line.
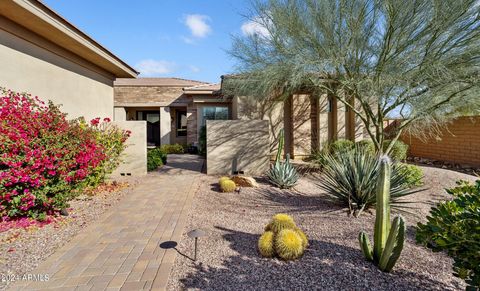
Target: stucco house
{"x": 45, "y": 55}
{"x": 175, "y": 110}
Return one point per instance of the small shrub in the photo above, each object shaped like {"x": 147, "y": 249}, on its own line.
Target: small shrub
{"x": 173, "y": 148}
{"x": 282, "y": 174}
{"x": 453, "y": 226}
{"x": 155, "y": 158}
{"x": 282, "y": 238}
{"x": 341, "y": 145}
{"x": 367, "y": 145}
{"x": 413, "y": 174}
{"x": 202, "y": 141}
{"x": 227, "y": 185}
{"x": 399, "y": 150}
{"x": 350, "y": 179}
{"x": 289, "y": 244}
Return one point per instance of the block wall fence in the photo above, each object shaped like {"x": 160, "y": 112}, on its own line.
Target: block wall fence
{"x": 459, "y": 143}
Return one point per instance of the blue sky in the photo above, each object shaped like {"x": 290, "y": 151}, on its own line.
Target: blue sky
{"x": 164, "y": 38}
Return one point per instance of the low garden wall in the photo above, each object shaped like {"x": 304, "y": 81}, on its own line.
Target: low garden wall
{"x": 237, "y": 145}
{"x": 134, "y": 158}
{"x": 459, "y": 143}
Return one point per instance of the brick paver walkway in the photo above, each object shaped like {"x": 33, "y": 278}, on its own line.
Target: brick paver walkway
{"x": 121, "y": 251}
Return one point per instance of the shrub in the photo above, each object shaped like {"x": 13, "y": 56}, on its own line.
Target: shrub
{"x": 341, "y": 145}
{"x": 155, "y": 158}
{"x": 112, "y": 140}
{"x": 453, "y": 226}
{"x": 43, "y": 157}
{"x": 350, "y": 179}
{"x": 399, "y": 150}
{"x": 227, "y": 185}
{"x": 173, "y": 148}
{"x": 367, "y": 145}
{"x": 202, "y": 141}
{"x": 413, "y": 174}
{"x": 282, "y": 238}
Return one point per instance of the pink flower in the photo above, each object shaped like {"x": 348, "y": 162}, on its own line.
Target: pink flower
{"x": 106, "y": 119}
{"x": 95, "y": 121}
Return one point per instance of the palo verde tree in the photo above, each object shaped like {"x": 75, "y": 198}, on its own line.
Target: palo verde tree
{"x": 417, "y": 60}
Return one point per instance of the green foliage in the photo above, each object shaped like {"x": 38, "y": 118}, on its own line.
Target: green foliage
{"x": 399, "y": 150}
{"x": 416, "y": 60}
{"x": 227, "y": 185}
{"x": 388, "y": 238}
{"x": 202, "y": 141}
{"x": 155, "y": 158}
{"x": 454, "y": 226}
{"x": 282, "y": 174}
{"x": 413, "y": 174}
{"x": 350, "y": 178}
{"x": 282, "y": 238}
{"x": 341, "y": 145}
{"x": 173, "y": 148}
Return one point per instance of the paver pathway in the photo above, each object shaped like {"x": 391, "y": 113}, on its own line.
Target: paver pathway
{"x": 121, "y": 250}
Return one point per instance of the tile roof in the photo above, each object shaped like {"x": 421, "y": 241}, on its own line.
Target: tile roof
{"x": 204, "y": 87}
{"x": 160, "y": 82}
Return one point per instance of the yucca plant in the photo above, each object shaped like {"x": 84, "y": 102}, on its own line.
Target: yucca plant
{"x": 349, "y": 178}
{"x": 282, "y": 174}
{"x": 388, "y": 237}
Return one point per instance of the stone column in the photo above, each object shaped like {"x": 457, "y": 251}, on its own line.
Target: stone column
{"x": 165, "y": 125}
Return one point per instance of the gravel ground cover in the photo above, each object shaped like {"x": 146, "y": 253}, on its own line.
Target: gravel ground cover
{"x": 228, "y": 258}
{"x": 24, "y": 249}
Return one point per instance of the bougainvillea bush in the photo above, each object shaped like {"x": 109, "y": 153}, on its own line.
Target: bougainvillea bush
{"x": 44, "y": 157}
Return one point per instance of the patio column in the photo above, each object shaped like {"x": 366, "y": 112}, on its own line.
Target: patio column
{"x": 165, "y": 125}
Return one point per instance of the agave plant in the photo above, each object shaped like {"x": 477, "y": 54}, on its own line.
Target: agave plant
{"x": 350, "y": 177}
{"x": 282, "y": 174}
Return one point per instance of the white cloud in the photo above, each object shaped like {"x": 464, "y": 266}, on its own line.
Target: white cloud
{"x": 198, "y": 25}
{"x": 153, "y": 67}
{"x": 255, "y": 27}
{"x": 194, "y": 69}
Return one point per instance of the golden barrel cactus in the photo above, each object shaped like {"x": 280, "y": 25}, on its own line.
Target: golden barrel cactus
{"x": 282, "y": 238}
{"x": 227, "y": 185}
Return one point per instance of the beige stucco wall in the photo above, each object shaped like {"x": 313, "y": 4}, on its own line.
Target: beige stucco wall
{"x": 237, "y": 145}
{"x": 135, "y": 155}
{"x": 120, "y": 114}
{"x": 26, "y": 67}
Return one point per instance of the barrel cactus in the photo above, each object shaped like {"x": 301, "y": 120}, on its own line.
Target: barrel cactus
{"x": 289, "y": 244}
{"x": 388, "y": 238}
{"x": 265, "y": 244}
{"x": 227, "y": 185}
{"x": 223, "y": 179}
{"x": 282, "y": 238}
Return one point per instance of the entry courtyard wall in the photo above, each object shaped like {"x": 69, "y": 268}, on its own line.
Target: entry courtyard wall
{"x": 237, "y": 145}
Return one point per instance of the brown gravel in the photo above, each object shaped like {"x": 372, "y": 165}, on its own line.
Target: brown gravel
{"x": 228, "y": 259}
{"x": 24, "y": 249}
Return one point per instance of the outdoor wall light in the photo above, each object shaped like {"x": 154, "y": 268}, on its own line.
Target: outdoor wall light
{"x": 196, "y": 233}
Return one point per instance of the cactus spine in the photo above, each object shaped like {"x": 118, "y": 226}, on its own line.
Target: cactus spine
{"x": 388, "y": 238}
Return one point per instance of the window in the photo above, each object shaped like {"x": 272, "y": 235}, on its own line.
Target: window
{"x": 181, "y": 123}
{"x": 213, "y": 113}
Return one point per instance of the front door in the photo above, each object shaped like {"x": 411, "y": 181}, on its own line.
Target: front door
{"x": 153, "y": 126}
